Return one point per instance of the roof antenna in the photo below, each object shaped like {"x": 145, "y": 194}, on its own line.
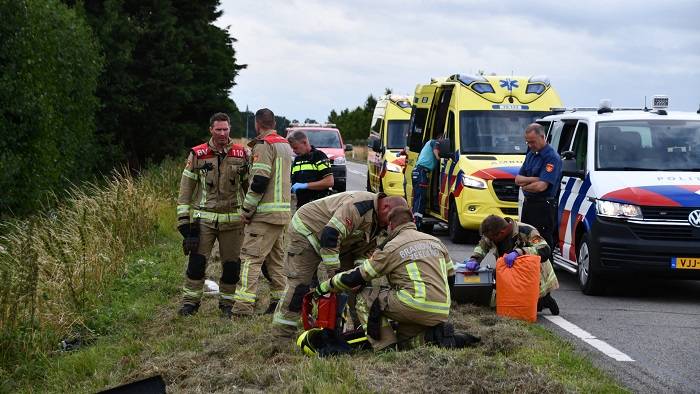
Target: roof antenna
{"x": 698, "y": 110}
{"x": 645, "y": 104}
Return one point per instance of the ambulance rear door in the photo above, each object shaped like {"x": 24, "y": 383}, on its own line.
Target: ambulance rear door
{"x": 422, "y": 101}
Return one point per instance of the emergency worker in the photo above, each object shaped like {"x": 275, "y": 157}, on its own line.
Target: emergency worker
{"x": 266, "y": 211}
{"x": 311, "y": 171}
{"x": 512, "y": 239}
{"x": 420, "y": 273}
{"x": 428, "y": 157}
{"x": 539, "y": 179}
{"x": 334, "y": 232}
{"x": 212, "y": 187}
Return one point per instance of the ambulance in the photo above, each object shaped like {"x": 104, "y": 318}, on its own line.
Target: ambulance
{"x": 480, "y": 122}
{"x": 629, "y": 199}
{"x": 386, "y": 142}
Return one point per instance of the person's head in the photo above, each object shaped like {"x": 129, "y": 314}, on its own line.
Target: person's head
{"x": 534, "y": 137}
{"x": 398, "y": 216}
{"x": 264, "y": 120}
{"x": 385, "y": 205}
{"x": 219, "y": 127}
{"x": 299, "y": 142}
{"x": 495, "y": 228}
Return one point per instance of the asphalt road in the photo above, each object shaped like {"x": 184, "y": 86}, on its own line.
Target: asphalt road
{"x": 656, "y": 324}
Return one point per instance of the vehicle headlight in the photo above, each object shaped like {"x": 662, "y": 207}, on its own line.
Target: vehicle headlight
{"x": 339, "y": 160}
{"x": 617, "y": 210}
{"x": 391, "y": 167}
{"x": 473, "y": 182}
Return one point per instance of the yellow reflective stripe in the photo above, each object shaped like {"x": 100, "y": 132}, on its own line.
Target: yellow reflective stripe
{"x": 276, "y": 294}
{"x": 443, "y": 268}
{"x": 231, "y": 217}
{"x": 243, "y": 296}
{"x": 322, "y": 166}
{"x": 330, "y": 259}
{"x": 183, "y": 209}
{"x": 303, "y": 167}
{"x": 301, "y": 228}
{"x": 423, "y": 305}
{"x": 418, "y": 284}
{"x": 279, "y": 319}
{"x": 261, "y": 166}
{"x": 274, "y": 207}
{"x": 191, "y": 293}
{"x": 203, "y": 187}
{"x": 250, "y": 199}
{"x": 278, "y": 180}
{"x": 339, "y": 226}
{"x": 226, "y": 296}
{"x": 190, "y": 174}
{"x": 367, "y": 266}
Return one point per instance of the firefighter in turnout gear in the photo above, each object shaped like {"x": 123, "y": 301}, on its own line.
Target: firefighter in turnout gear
{"x": 512, "y": 239}
{"x": 333, "y": 232}
{"x": 212, "y": 187}
{"x": 266, "y": 212}
{"x": 420, "y": 273}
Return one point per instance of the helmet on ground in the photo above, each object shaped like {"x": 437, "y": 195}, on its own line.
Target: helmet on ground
{"x": 310, "y": 341}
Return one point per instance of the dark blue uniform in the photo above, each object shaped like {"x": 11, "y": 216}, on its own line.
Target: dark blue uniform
{"x": 540, "y": 209}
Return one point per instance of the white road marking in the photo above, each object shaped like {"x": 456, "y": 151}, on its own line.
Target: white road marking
{"x": 590, "y": 339}
{"x": 357, "y": 172}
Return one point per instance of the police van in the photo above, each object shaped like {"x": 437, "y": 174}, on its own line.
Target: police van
{"x": 387, "y": 139}
{"x": 629, "y": 199}
{"x": 480, "y": 121}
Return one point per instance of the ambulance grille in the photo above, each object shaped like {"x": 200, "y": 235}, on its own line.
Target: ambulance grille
{"x": 667, "y": 213}
{"x": 505, "y": 189}
{"x": 661, "y": 232}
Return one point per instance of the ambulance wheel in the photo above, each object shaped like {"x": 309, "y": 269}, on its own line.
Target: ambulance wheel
{"x": 591, "y": 282}
{"x": 458, "y": 234}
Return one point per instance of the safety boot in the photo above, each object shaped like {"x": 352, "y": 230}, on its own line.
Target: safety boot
{"x": 548, "y": 302}
{"x": 443, "y": 335}
{"x": 188, "y": 309}
{"x": 226, "y": 311}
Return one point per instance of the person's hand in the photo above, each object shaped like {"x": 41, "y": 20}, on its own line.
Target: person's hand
{"x": 510, "y": 258}
{"x": 299, "y": 186}
{"x": 472, "y": 265}
{"x": 318, "y": 293}
{"x": 245, "y": 219}
{"x": 190, "y": 244}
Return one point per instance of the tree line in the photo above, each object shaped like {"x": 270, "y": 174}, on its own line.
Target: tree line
{"x": 89, "y": 85}
{"x": 354, "y": 124}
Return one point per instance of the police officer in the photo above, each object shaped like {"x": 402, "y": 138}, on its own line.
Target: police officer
{"x": 508, "y": 238}
{"x": 211, "y": 190}
{"x": 266, "y": 211}
{"x": 311, "y": 172}
{"x": 419, "y": 271}
{"x": 428, "y": 157}
{"x": 332, "y": 232}
{"x": 539, "y": 179}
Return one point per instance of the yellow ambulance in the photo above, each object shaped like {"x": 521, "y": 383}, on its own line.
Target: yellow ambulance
{"x": 482, "y": 120}
{"x": 387, "y": 139}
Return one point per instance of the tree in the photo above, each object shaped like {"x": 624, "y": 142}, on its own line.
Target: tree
{"x": 354, "y": 125}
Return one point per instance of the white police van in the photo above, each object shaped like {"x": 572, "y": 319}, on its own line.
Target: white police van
{"x": 629, "y": 200}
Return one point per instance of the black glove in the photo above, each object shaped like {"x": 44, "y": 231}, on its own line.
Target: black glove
{"x": 184, "y": 230}
{"x": 190, "y": 241}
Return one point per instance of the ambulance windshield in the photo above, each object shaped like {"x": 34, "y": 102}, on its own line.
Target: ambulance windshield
{"x": 323, "y": 138}
{"x": 497, "y": 132}
{"x": 648, "y": 145}
{"x": 397, "y": 131}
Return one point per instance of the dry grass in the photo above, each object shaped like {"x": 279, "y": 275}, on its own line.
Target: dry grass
{"x": 358, "y": 153}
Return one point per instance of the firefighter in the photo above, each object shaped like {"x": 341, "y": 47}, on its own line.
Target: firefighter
{"x": 212, "y": 187}
{"x": 266, "y": 212}
{"x": 312, "y": 177}
{"x": 420, "y": 273}
{"x": 334, "y": 231}
{"x": 512, "y": 239}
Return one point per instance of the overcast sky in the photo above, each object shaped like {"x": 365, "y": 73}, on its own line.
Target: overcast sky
{"x": 307, "y": 57}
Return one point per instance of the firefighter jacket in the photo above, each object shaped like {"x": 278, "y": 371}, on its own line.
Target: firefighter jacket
{"x": 339, "y": 224}
{"x": 416, "y": 265}
{"x": 525, "y": 239}
{"x": 269, "y": 195}
{"x": 213, "y": 185}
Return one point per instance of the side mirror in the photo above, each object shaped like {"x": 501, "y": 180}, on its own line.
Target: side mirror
{"x": 445, "y": 147}
{"x": 377, "y": 145}
{"x": 569, "y": 168}
{"x": 348, "y": 147}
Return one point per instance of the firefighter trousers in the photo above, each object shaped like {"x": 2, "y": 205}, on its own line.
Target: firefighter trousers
{"x": 262, "y": 243}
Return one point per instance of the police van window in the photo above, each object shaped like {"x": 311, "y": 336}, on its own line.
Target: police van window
{"x": 567, "y": 134}
{"x": 546, "y": 124}
{"x": 580, "y": 146}
{"x": 415, "y": 137}
{"x": 554, "y": 135}
{"x": 495, "y": 132}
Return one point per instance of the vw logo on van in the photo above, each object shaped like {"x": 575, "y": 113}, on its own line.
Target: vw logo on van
{"x": 694, "y": 218}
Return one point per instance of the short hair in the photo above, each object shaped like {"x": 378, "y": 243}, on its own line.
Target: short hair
{"x": 219, "y": 117}
{"x": 492, "y": 224}
{"x": 266, "y": 118}
{"x": 400, "y": 215}
{"x": 536, "y": 127}
{"x": 297, "y": 136}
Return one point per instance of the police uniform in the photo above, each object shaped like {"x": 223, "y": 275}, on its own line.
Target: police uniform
{"x": 212, "y": 187}
{"x": 310, "y": 167}
{"x": 267, "y": 205}
{"x": 525, "y": 239}
{"x": 540, "y": 209}
{"x": 333, "y": 232}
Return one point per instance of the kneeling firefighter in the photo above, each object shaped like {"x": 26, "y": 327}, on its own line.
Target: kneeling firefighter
{"x": 420, "y": 273}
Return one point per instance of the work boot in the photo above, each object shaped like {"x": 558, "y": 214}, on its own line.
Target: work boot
{"x": 271, "y": 308}
{"x": 462, "y": 340}
{"x": 188, "y": 309}
{"x": 548, "y": 302}
{"x": 226, "y": 311}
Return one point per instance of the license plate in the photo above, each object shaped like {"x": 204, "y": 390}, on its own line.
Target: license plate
{"x": 686, "y": 263}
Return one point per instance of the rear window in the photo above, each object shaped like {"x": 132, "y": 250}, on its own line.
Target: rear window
{"x": 324, "y": 138}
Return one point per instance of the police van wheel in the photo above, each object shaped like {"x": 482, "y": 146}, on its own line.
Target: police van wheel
{"x": 591, "y": 282}
{"x": 458, "y": 234}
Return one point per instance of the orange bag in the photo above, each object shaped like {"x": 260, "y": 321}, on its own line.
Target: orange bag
{"x": 518, "y": 288}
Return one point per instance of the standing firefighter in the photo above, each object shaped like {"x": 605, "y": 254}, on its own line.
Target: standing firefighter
{"x": 211, "y": 192}
{"x": 266, "y": 212}
{"x": 507, "y": 237}
{"x": 419, "y": 271}
{"x": 312, "y": 177}
{"x": 333, "y": 232}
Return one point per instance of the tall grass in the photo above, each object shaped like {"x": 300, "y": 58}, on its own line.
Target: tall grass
{"x": 55, "y": 266}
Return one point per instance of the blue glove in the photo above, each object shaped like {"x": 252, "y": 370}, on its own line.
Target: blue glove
{"x": 510, "y": 258}
{"x": 299, "y": 186}
{"x": 472, "y": 265}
